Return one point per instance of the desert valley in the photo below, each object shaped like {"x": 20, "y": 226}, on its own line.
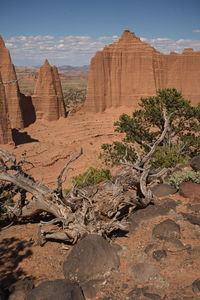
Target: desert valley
{"x": 50, "y": 115}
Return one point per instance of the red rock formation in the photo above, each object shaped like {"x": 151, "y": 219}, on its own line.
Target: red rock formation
{"x": 129, "y": 69}
{"x": 48, "y": 98}
{"x": 12, "y": 89}
{"x": 5, "y": 130}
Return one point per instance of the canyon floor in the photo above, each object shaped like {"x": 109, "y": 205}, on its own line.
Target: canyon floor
{"x": 48, "y": 145}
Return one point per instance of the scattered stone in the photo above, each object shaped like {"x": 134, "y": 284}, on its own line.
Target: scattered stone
{"x": 159, "y": 254}
{"x": 152, "y": 211}
{"x": 195, "y": 163}
{"x": 150, "y": 248}
{"x": 192, "y": 218}
{"x": 92, "y": 256}
{"x": 162, "y": 190}
{"x": 174, "y": 245}
{"x": 144, "y": 272}
{"x": 190, "y": 190}
{"x": 196, "y": 286}
{"x": 142, "y": 294}
{"x": 58, "y": 289}
{"x": 20, "y": 289}
{"x": 167, "y": 229}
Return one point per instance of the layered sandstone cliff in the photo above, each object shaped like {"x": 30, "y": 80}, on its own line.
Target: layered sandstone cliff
{"x": 5, "y": 129}
{"x": 129, "y": 69}
{"x": 48, "y": 98}
{"x": 11, "y": 87}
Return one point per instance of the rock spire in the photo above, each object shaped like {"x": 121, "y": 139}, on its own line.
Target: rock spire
{"x": 48, "y": 97}
{"x": 12, "y": 92}
{"x": 5, "y": 129}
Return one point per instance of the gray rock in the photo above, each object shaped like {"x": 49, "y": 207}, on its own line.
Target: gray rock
{"x": 195, "y": 163}
{"x": 56, "y": 290}
{"x": 163, "y": 189}
{"x": 20, "y": 289}
{"x": 144, "y": 272}
{"x": 151, "y": 211}
{"x": 196, "y": 286}
{"x": 167, "y": 229}
{"x": 190, "y": 190}
{"x": 92, "y": 256}
{"x": 159, "y": 254}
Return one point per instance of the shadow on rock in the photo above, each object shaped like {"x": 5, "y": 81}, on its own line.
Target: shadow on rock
{"x": 22, "y": 137}
{"x": 12, "y": 252}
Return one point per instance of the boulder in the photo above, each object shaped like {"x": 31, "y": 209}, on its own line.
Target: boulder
{"x": 130, "y": 68}
{"x": 48, "y": 99}
{"x": 12, "y": 92}
{"x": 190, "y": 190}
{"x": 167, "y": 229}
{"x": 195, "y": 163}
{"x": 59, "y": 289}
{"x": 162, "y": 190}
{"x": 20, "y": 289}
{"x": 91, "y": 257}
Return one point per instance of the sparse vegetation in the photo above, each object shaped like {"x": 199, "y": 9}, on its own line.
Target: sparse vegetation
{"x": 187, "y": 175}
{"x": 92, "y": 176}
{"x": 74, "y": 96}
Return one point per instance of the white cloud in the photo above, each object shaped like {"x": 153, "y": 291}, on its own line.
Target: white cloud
{"x": 78, "y": 50}
{"x": 196, "y": 30}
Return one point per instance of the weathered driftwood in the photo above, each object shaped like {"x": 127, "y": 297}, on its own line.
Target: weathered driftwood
{"x": 100, "y": 209}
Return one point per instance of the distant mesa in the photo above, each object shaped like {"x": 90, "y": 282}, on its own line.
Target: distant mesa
{"x": 48, "y": 99}
{"x": 129, "y": 69}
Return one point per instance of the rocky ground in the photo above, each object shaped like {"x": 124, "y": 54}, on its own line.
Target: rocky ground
{"x": 157, "y": 259}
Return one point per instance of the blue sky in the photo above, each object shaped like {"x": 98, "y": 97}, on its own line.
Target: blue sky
{"x": 70, "y": 32}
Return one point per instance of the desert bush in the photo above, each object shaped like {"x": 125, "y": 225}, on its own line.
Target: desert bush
{"x": 91, "y": 176}
{"x": 187, "y": 175}
{"x": 142, "y": 129}
{"x": 74, "y": 96}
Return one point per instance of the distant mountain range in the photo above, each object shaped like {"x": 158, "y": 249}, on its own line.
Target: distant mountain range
{"x": 69, "y": 68}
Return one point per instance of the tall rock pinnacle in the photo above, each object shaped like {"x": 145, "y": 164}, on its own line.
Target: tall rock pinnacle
{"x": 5, "y": 129}
{"x": 48, "y": 98}
{"x": 12, "y": 92}
{"x": 129, "y": 69}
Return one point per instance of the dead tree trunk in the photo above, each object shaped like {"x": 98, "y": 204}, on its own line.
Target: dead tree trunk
{"x": 81, "y": 212}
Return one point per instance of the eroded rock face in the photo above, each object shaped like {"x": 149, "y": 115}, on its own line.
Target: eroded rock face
{"x": 5, "y": 129}
{"x": 48, "y": 98}
{"x": 8, "y": 74}
{"x": 129, "y": 69}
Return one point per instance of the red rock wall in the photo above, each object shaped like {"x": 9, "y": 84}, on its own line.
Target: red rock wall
{"x": 12, "y": 90}
{"x": 48, "y": 99}
{"x": 5, "y": 129}
{"x": 129, "y": 69}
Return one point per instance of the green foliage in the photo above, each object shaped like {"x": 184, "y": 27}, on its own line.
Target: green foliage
{"x": 146, "y": 124}
{"x": 113, "y": 153}
{"x": 91, "y": 177}
{"x": 167, "y": 157}
{"x": 188, "y": 175}
{"x": 73, "y": 96}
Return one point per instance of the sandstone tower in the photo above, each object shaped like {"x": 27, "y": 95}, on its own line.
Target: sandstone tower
{"x": 8, "y": 75}
{"x": 5, "y": 130}
{"x": 129, "y": 69}
{"x": 48, "y": 97}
